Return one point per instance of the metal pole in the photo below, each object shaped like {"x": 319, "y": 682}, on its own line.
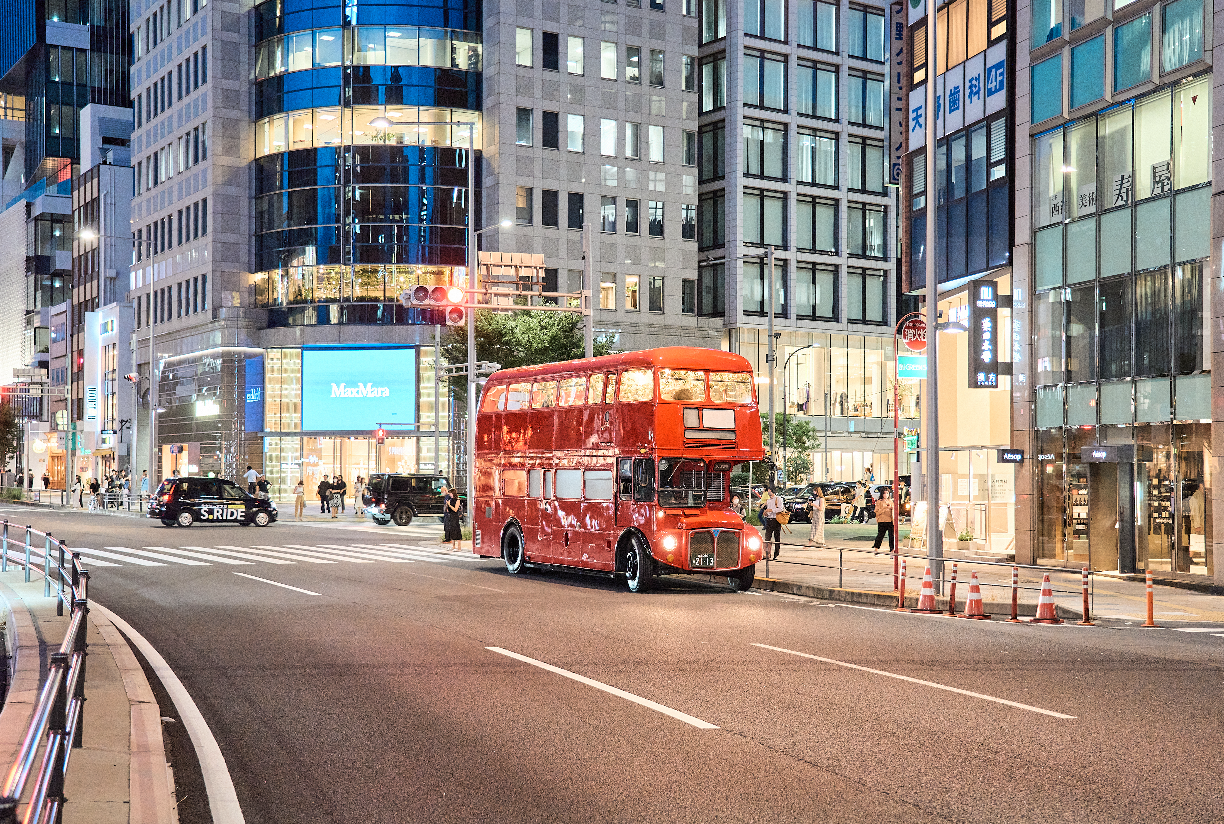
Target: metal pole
{"x": 931, "y": 468}
{"x": 769, "y": 360}
{"x": 437, "y": 402}
{"x": 588, "y": 297}
{"x": 27, "y": 554}
{"x": 59, "y": 582}
{"x": 150, "y": 316}
{"x": 4, "y": 556}
{"x": 46, "y": 564}
{"x": 473, "y": 282}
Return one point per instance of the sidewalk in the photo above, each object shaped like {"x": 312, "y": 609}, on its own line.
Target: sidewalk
{"x": 121, "y": 774}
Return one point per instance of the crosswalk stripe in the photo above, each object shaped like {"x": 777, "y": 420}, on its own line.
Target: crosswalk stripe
{"x": 247, "y": 553}
{"x": 294, "y": 553}
{"x": 348, "y": 557}
{"x": 125, "y": 558}
{"x": 433, "y": 554}
{"x": 410, "y": 552}
{"x": 98, "y": 562}
{"x": 373, "y": 555}
{"x": 200, "y": 555}
{"x": 170, "y": 558}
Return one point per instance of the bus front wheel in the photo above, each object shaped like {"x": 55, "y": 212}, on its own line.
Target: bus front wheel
{"x": 513, "y": 551}
{"x": 742, "y": 580}
{"x": 639, "y": 566}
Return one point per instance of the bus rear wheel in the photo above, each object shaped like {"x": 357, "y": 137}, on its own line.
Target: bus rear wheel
{"x": 742, "y": 581}
{"x": 513, "y": 551}
{"x": 639, "y": 566}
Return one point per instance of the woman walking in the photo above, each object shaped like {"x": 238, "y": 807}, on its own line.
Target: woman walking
{"x": 816, "y": 511}
{"x": 451, "y": 531}
{"x": 359, "y": 496}
{"x": 299, "y": 500}
{"x": 860, "y": 503}
{"x": 339, "y": 487}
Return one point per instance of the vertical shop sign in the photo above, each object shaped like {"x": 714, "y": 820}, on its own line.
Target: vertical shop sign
{"x": 984, "y": 335}
{"x": 900, "y": 109}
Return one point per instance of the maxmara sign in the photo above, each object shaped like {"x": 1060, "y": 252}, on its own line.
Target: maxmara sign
{"x": 361, "y": 390}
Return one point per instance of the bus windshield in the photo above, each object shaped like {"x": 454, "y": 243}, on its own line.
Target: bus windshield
{"x": 682, "y": 482}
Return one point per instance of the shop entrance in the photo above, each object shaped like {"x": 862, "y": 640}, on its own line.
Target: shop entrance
{"x": 1103, "y": 495}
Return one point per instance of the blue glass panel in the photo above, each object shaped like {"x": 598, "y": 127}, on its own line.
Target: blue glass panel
{"x": 978, "y": 233}
{"x": 956, "y": 241}
{"x": 1000, "y": 224}
{"x": 1045, "y": 91}
{"x": 918, "y": 251}
{"x": 1088, "y": 72}
{"x": 1047, "y": 21}
{"x": 1133, "y": 52}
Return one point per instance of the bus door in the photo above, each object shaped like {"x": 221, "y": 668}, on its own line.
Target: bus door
{"x": 533, "y": 511}
{"x": 567, "y": 539}
{"x": 636, "y": 492}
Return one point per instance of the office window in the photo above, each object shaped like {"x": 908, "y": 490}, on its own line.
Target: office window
{"x": 688, "y": 221}
{"x": 688, "y": 297}
{"x": 764, "y": 149}
{"x": 607, "y": 215}
{"x": 690, "y": 8}
{"x": 575, "y": 210}
{"x": 765, "y": 18}
{"x": 764, "y": 80}
{"x": 711, "y": 290}
{"x": 607, "y": 60}
{"x": 522, "y": 47}
{"x": 1088, "y": 72}
{"x": 655, "y": 217}
{"x": 865, "y": 99}
{"x": 631, "y": 293}
{"x": 550, "y": 58}
{"x": 918, "y": 54}
{"x": 865, "y": 164}
{"x": 607, "y": 138}
{"x": 712, "y": 147}
{"x": 815, "y": 291}
{"x": 713, "y": 20}
{"x": 688, "y": 73}
{"x": 654, "y": 143}
{"x": 204, "y": 216}
{"x": 865, "y": 296}
{"x": 816, "y": 225}
{"x": 656, "y": 5}
{"x": 713, "y": 83}
{"x": 195, "y": 295}
{"x": 1133, "y": 52}
{"x": 1047, "y": 87}
{"x": 550, "y": 208}
{"x": 817, "y": 25}
{"x": 633, "y": 141}
{"x": 763, "y": 218}
{"x": 865, "y": 34}
{"x": 711, "y": 220}
{"x": 523, "y": 205}
{"x": 633, "y": 64}
{"x": 573, "y": 62}
{"x": 607, "y": 291}
{"x": 178, "y": 300}
{"x": 178, "y": 226}
{"x": 631, "y": 217}
{"x": 816, "y": 90}
{"x": 656, "y": 68}
{"x": 816, "y": 158}
{"x": 756, "y": 288}
{"x": 654, "y": 301}
{"x": 689, "y": 157}
{"x": 573, "y": 131}
{"x": 550, "y": 138}
{"x": 1182, "y": 40}
{"x": 1047, "y": 21}
{"x": 522, "y": 127}
{"x": 865, "y": 230}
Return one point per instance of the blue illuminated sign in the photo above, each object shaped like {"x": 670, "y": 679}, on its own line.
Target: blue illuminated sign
{"x": 358, "y": 389}
{"x": 254, "y": 395}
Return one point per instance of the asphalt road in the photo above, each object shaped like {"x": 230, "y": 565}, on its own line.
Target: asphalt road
{"x": 375, "y": 696}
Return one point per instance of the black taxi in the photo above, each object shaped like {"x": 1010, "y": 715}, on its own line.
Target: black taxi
{"x": 183, "y": 501}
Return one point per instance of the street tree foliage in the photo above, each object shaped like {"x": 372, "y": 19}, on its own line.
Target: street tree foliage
{"x": 523, "y": 338}
{"x": 10, "y": 432}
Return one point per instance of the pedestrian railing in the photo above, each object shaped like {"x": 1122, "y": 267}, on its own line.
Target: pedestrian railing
{"x": 114, "y": 500}
{"x": 35, "y": 780}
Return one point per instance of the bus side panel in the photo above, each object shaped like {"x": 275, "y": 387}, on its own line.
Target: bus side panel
{"x": 599, "y": 534}
{"x": 542, "y": 429}
{"x": 633, "y": 424}
{"x": 486, "y": 511}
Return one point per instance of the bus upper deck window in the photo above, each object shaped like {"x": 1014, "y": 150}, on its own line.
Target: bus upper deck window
{"x": 597, "y": 389}
{"x": 636, "y": 385}
{"x": 681, "y": 385}
{"x": 494, "y": 399}
{"x": 731, "y": 387}
{"x": 573, "y": 392}
{"x": 518, "y": 396}
{"x": 544, "y": 395}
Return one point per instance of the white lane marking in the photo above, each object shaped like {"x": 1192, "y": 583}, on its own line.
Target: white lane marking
{"x": 599, "y": 685}
{"x": 427, "y": 554}
{"x": 170, "y": 558}
{"x": 127, "y": 559}
{"x": 1217, "y": 636}
{"x": 956, "y": 690}
{"x": 202, "y": 556}
{"x": 1197, "y": 629}
{"x": 222, "y": 800}
{"x": 98, "y": 562}
{"x": 373, "y": 555}
{"x": 277, "y": 584}
{"x": 253, "y": 556}
{"x": 289, "y": 553}
{"x": 336, "y": 556}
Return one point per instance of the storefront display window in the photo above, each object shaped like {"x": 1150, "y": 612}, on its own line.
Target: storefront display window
{"x": 1153, "y": 145}
{"x": 1050, "y": 495}
{"x": 1192, "y": 529}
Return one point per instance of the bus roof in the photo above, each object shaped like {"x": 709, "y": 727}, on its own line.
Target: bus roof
{"x": 669, "y": 357}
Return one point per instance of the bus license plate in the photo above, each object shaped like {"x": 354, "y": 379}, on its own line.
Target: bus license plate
{"x": 704, "y": 561}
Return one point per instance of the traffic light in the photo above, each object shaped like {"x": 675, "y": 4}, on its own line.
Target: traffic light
{"x": 131, "y": 377}
{"x": 447, "y": 299}
{"x": 380, "y": 436}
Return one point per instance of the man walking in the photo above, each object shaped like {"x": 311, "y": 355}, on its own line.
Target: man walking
{"x": 884, "y": 520}
{"x": 324, "y": 491}
{"x": 773, "y": 508}
{"x": 251, "y": 477}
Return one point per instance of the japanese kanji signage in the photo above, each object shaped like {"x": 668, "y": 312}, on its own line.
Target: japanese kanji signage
{"x": 965, "y": 94}
{"x": 983, "y": 334}
{"x": 900, "y": 112}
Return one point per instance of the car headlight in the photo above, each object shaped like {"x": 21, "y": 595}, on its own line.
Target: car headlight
{"x": 754, "y": 543}
{"x": 670, "y": 542}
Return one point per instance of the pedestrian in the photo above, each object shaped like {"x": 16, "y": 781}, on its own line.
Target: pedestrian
{"x": 324, "y": 495}
{"x": 251, "y": 477}
{"x": 338, "y": 488}
{"x": 30, "y": 480}
{"x": 94, "y": 486}
{"x": 773, "y": 526}
{"x": 299, "y": 499}
{"x": 144, "y": 483}
{"x": 78, "y": 492}
{"x": 359, "y": 496}
{"x": 884, "y": 521}
{"x": 46, "y": 479}
{"x": 860, "y": 503}
{"x": 451, "y": 530}
{"x": 816, "y": 512}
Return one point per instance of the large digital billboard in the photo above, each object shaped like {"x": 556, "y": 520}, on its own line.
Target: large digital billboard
{"x": 358, "y": 389}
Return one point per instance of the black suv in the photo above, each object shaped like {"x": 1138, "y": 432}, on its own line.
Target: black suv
{"x": 183, "y": 501}
{"x": 390, "y": 497}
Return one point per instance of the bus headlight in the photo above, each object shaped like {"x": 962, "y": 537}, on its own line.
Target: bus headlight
{"x": 670, "y": 543}
{"x": 754, "y": 543}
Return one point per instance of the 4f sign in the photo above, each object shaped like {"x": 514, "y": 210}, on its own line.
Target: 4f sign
{"x": 913, "y": 334}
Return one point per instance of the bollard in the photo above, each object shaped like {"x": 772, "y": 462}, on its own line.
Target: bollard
{"x": 59, "y": 582}
{"x": 27, "y": 554}
{"x": 4, "y": 553}
{"x": 1015, "y": 614}
{"x": 952, "y": 591}
{"x": 1087, "y": 622}
{"x": 1151, "y": 616}
{"x": 901, "y": 588}
{"x": 839, "y": 567}
{"x": 47, "y": 565}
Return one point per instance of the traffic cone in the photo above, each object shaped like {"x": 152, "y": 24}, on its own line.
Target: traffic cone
{"x": 973, "y": 607}
{"x": 926, "y": 598}
{"x": 1045, "y": 604}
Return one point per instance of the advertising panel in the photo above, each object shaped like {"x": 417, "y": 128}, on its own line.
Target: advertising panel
{"x": 358, "y": 389}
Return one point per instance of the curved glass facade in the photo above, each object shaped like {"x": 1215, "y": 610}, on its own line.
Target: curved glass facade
{"x": 349, "y": 126}
{"x": 283, "y": 16}
{"x": 369, "y": 46}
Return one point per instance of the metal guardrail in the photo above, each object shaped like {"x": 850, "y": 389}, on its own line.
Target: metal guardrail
{"x": 114, "y": 500}
{"x": 58, "y": 722}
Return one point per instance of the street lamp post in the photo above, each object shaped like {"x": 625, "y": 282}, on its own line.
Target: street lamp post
{"x": 931, "y": 467}
{"x": 785, "y": 366}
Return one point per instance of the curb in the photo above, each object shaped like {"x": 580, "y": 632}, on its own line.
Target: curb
{"x": 23, "y": 643}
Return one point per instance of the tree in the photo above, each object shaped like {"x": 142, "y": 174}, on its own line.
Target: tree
{"x": 10, "y": 431}
{"x": 800, "y": 438}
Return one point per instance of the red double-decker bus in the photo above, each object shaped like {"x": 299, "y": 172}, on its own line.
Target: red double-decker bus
{"x": 619, "y": 463}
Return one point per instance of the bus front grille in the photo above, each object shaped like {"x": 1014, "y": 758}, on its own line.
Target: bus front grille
{"x": 710, "y": 549}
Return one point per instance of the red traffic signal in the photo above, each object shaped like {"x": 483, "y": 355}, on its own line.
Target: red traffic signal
{"x": 448, "y": 299}
{"x": 380, "y": 436}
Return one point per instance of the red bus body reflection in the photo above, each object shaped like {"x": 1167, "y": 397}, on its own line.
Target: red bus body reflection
{"x": 619, "y": 463}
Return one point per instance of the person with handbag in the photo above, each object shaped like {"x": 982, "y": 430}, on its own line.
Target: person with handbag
{"x": 452, "y": 532}
{"x": 884, "y": 521}
{"x": 816, "y": 511}
{"x": 774, "y": 512}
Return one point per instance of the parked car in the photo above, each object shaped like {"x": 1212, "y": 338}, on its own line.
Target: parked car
{"x": 400, "y": 498}
{"x": 835, "y": 494}
{"x": 183, "y": 501}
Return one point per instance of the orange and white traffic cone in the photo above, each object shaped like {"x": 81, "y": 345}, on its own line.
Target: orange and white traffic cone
{"x": 973, "y": 607}
{"x": 926, "y": 598}
{"x": 1045, "y": 604}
